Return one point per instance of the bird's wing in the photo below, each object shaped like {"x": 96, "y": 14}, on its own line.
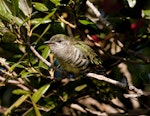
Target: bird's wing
{"x": 88, "y": 52}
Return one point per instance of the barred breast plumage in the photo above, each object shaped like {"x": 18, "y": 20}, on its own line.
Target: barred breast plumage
{"x": 74, "y": 56}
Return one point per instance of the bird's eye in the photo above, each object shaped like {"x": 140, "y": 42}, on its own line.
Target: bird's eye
{"x": 59, "y": 41}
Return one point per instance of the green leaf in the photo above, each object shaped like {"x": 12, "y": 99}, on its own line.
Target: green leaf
{"x": 56, "y": 2}
{"x": 14, "y": 66}
{"x": 37, "y": 112}
{"x": 9, "y": 37}
{"x": 40, "y": 6}
{"x": 25, "y": 74}
{"x": 85, "y": 22}
{"x": 81, "y": 87}
{"x": 17, "y": 103}
{"x": 5, "y": 13}
{"x": 147, "y": 13}
{"x": 15, "y": 5}
{"x": 45, "y": 54}
{"x": 40, "y": 20}
{"x": 5, "y": 7}
{"x": 25, "y": 6}
{"x": 37, "y": 95}
{"x": 20, "y": 92}
{"x": 43, "y": 19}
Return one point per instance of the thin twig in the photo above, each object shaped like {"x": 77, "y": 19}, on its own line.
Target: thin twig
{"x": 43, "y": 60}
{"x": 5, "y": 64}
{"x": 98, "y": 15}
{"x": 39, "y": 56}
{"x": 66, "y": 22}
{"x": 14, "y": 82}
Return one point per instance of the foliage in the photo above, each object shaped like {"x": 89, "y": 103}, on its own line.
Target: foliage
{"x": 29, "y": 86}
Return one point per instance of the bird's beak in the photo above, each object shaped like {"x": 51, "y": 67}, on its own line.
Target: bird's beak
{"x": 47, "y": 42}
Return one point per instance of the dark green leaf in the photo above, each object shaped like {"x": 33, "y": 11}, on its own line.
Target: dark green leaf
{"x": 15, "y": 5}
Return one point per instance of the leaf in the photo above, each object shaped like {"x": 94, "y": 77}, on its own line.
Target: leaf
{"x": 81, "y": 87}
{"x": 56, "y": 2}
{"x": 37, "y": 112}
{"x": 7, "y": 7}
{"x": 9, "y": 11}
{"x": 17, "y": 103}
{"x": 25, "y": 74}
{"x": 5, "y": 13}
{"x": 20, "y": 92}
{"x": 15, "y": 7}
{"x": 45, "y": 18}
{"x": 40, "y": 20}
{"x": 25, "y": 7}
{"x": 85, "y": 22}
{"x": 45, "y": 54}
{"x": 8, "y": 37}
{"x": 147, "y": 13}
{"x": 40, "y": 6}
{"x": 37, "y": 95}
{"x": 14, "y": 66}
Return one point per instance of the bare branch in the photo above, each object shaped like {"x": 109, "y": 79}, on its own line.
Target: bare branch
{"x": 98, "y": 15}
{"x": 66, "y": 22}
{"x": 14, "y": 82}
{"x": 5, "y": 64}
{"x": 139, "y": 92}
{"x": 39, "y": 56}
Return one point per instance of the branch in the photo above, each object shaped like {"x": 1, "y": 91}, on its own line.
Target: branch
{"x": 99, "y": 16}
{"x": 14, "y": 82}
{"x": 138, "y": 92}
{"x": 66, "y": 22}
{"x": 129, "y": 51}
{"x": 5, "y": 64}
{"x": 39, "y": 56}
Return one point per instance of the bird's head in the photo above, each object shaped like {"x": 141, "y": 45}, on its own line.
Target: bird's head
{"x": 58, "y": 42}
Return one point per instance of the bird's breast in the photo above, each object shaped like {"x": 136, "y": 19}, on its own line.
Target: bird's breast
{"x": 72, "y": 59}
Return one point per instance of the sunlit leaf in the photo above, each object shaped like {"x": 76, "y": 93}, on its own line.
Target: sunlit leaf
{"x": 40, "y": 20}
{"x": 37, "y": 112}
{"x": 5, "y": 6}
{"x": 85, "y": 22}
{"x": 15, "y": 65}
{"x": 56, "y": 2}
{"x": 37, "y": 95}
{"x": 40, "y": 6}
{"x": 25, "y": 74}
{"x": 4, "y": 12}
{"x": 25, "y": 6}
{"x": 20, "y": 92}
{"x": 17, "y": 103}
{"x": 81, "y": 87}
{"x": 147, "y": 13}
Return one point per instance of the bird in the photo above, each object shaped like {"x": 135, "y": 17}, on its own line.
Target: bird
{"x": 78, "y": 58}
{"x": 73, "y": 55}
